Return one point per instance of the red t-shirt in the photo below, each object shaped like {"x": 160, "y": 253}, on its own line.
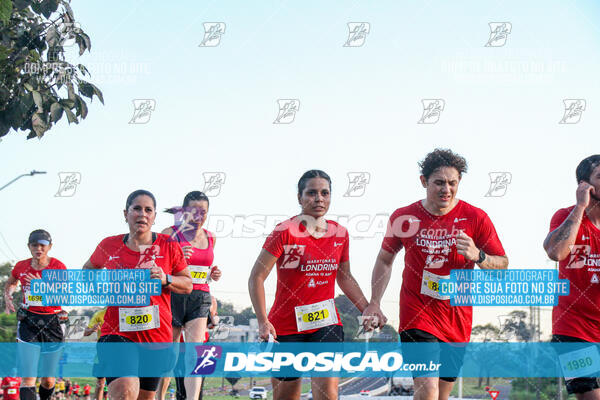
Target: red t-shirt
{"x": 578, "y": 314}
{"x": 201, "y": 257}
{"x": 86, "y": 390}
{"x": 112, "y": 253}
{"x": 76, "y": 389}
{"x": 306, "y": 269}
{"x": 430, "y": 243}
{"x": 11, "y": 387}
{"x": 23, "y": 268}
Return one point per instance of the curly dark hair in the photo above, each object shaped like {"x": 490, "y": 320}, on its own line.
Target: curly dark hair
{"x": 439, "y": 158}
{"x": 586, "y": 167}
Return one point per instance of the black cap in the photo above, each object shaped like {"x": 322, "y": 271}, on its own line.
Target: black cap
{"x": 40, "y": 236}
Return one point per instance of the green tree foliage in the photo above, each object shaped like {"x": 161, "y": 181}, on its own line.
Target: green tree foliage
{"x": 38, "y": 85}
{"x": 485, "y": 333}
{"x": 8, "y": 327}
{"x": 535, "y": 389}
{"x": 8, "y": 323}
{"x": 240, "y": 318}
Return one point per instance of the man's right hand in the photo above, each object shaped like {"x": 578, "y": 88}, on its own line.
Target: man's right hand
{"x": 373, "y": 317}
{"x": 583, "y": 194}
{"x": 9, "y": 306}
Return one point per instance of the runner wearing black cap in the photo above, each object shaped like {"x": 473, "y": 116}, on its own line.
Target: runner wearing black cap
{"x": 36, "y": 323}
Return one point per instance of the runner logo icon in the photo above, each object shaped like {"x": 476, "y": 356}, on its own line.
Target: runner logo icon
{"x": 148, "y": 256}
{"x": 579, "y": 253}
{"x": 357, "y": 183}
{"x": 213, "y": 181}
{"x": 499, "y": 32}
{"x": 432, "y": 109}
{"x": 291, "y": 255}
{"x": 357, "y": 34}
{"x": 68, "y": 183}
{"x": 142, "y": 110}
{"x": 207, "y": 359}
{"x": 573, "y": 110}
{"x": 499, "y": 182}
{"x": 287, "y": 111}
{"x": 212, "y": 34}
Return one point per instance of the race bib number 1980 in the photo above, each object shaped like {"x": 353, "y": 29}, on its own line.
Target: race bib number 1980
{"x": 584, "y": 362}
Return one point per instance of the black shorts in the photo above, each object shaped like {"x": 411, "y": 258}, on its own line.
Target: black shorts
{"x": 39, "y": 328}
{"x": 186, "y": 307}
{"x": 577, "y": 385}
{"x": 331, "y": 333}
{"x": 131, "y": 364}
{"x": 451, "y": 358}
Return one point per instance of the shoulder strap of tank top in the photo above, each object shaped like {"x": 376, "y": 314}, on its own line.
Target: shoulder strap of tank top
{"x": 178, "y": 234}
{"x": 209, "y": 235}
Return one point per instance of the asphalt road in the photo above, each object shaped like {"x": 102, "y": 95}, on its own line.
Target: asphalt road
{"x": 362, "y": 384}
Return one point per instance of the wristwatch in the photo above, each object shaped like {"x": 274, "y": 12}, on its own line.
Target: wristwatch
{"x": 169, "y": 279}
{"x": 482, "y": 257}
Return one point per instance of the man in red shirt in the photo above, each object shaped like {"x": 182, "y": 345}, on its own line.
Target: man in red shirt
{"x": 86, "y": 391}
{"x": 76, "y": 388}
{"x": 439, "y": 233}
{"x": 574, "y": 241}
{"x": 10, "y": 387}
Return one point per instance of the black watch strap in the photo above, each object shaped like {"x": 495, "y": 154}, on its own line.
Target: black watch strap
{"x": 482, "y": 257}
{"x": 169, "y": 279}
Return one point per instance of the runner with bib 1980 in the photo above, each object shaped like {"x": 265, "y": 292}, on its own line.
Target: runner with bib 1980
{"x": 574, "y": 241}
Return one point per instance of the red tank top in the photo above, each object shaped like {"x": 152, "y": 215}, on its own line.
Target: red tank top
{"x": 200, "y": 257}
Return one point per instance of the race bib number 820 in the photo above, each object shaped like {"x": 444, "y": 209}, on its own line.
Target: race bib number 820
{"x": 137, "y": 319}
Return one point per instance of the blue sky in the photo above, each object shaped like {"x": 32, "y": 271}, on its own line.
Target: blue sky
{"x": 359, "y": 108}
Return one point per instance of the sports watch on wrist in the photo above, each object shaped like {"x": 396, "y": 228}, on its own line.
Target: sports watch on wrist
{"x": 482, "y": 257}
{"x": 169, "y": 279}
